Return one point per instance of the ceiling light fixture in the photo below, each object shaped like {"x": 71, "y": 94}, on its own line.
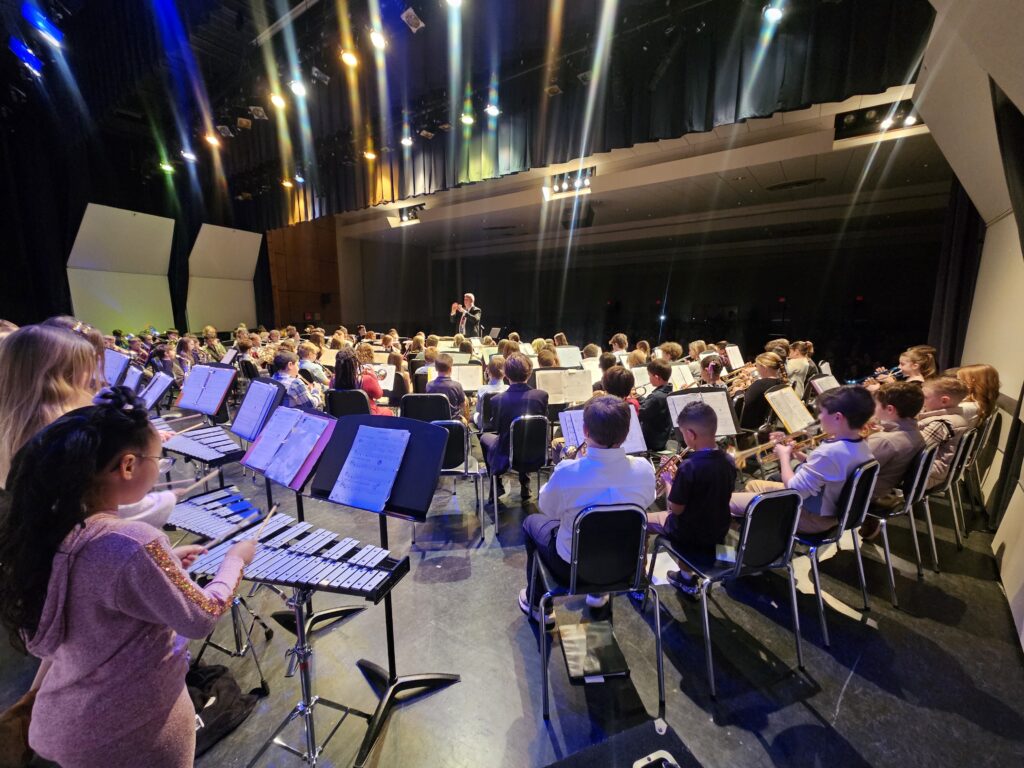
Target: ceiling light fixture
{"x": 297, "y": 87}
{"x": 910, "y": 120}
{"x": 492, "y": 110}
{"x": 378, "y": 40}
{"x": 349, "y": 59}
{"x": 287, "y": 183}
{"x": 212, "y": 140}
{"x": 886, "y": 124}
{"x": 277, "y": 100}
{"x": 188, "y": 156}
{"x": 370, "y": 154}
{"x": 166, "y": 167}
{"x": 407, "y": 141}
{"x": 772, "y": 13}
{"x": 466, "y": 119}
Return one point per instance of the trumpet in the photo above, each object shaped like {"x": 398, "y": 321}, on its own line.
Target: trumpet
{"x": 892, "y": 373}
{"x": 669, "y": 464}
{"x": 737, "y": 372}
{"x": 740, "y": 457}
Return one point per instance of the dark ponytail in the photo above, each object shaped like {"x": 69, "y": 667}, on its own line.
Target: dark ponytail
{"x": 49, "y": 484}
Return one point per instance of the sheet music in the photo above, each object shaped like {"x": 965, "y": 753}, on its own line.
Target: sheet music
{"x": 718, "y": 399}
{"x": 824, "y": 384}
{"x": 295, "y": 449}
{"x": 570, "y": 357}
{"x": 826, "y": 368}
{"x": 527, "y": 349}
{"x": 369, "y": 473}
{"x": 641, "y": 378}
{"x": 789, "y": 409}
{"x": 735, "y": 356}
{"x": 214, "y": 390}
{"x": 385, "y": 374}
{"x": 156, "y": 389}
{"x": 577, "y": 386}
{"x": 590, "y": 364}
{"x": 281, "y": 422}
{"x": 571, "y": 423}
{"x": 622, "y": 358}
{"x": 254, "y": 409}
{"x": 681, "y": 376}
{"x": 460, "y": 358}
{"x": 471, "y": 377}
{"x": 229, "y": 356}
{"x": 132, "y": 377}
{"x": 708, "y": 354}
{"x": 192, "y": 387}
{"x": 114, "y": 365}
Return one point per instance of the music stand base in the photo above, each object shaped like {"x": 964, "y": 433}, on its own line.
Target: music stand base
{"x": 287, "y": 619}
{"x": 301, "y": 710}
{"x": 396, "y": 691}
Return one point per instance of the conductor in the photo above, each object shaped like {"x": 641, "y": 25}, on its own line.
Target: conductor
{"x": 467, "y": 311}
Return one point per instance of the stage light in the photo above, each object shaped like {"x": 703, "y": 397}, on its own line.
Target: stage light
{"x": 466, "y": 119}
{"x": 569, "y": 184}
{"x": 454, "y": 3}
{"x": 772, "y": 13}
{"x": 586, "y": 182}
{"x": 370, "y": 154}
{"x": 26, "y": 56}
{"x": 42, "y": 24}
{"x": 277, "y": 100}
{"x": 663, "y": 318}
{"x": 578, "y": 183}
{"x": 287, "y": 183}
{"x": 188, "y": 156}
{"x": 298, "y": 88}
{"x": 911, "y": 120}
{"x": 407, "y": 141}
{"x": 349, "y": 59}
{"x": 166, "y": 167}
{"x": 300, "y": 179}
{"x": 319, "y": 76}
{"x": 212, "y": 140}
{"x": 378, "y": 40}
{"x": 492, "y": 110}
{"x": 406, "y": 216}
{"x": 886, "y": 124}
{"x": 426, "y": 134}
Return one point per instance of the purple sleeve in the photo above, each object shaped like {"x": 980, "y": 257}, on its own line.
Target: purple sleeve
{"x": 153, "y": 587}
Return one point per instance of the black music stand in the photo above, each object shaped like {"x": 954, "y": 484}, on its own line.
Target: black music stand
{"x": 410, "y": 499}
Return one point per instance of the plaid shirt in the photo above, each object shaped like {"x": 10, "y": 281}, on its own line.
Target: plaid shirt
{"x": 297, "y": 394}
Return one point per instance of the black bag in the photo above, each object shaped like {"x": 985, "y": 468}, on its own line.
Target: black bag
{"x": 219, "y": 703}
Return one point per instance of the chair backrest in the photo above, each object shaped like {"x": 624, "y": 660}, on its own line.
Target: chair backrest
{"x": 249, "y": 369}
{"x": 435, "y": 407}
{"x": 915, "y": 481}
{"x": 964, "y": 450}
{"x": 608, "y": 548}
{"x": 766, "y": 540}
{"x": 855, "y": 498}
{"x": 984, "y": 433}
{"x": 528, "y": 451}
{"x": 457, "y": 448}
{"x": 399, "y": 390}
{"x": 346, "y": 402}
{"x": 419, "y": 383}
{"x": 487, "y": 410}
{"x": 307, "y": 375}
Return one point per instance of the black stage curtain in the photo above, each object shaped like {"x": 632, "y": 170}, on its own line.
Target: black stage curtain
{"x": 1010, "y": 131}
{"x": 955, "y": 278}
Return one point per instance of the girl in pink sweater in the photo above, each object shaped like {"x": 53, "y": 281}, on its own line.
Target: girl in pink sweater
{"x": 106, "y": 601}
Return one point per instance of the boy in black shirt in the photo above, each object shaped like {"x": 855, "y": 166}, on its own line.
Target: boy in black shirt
{"x": 655, "y": 420}
{"x": 698, "y": 516}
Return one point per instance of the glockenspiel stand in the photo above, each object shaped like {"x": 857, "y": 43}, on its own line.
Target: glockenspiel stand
{"x": 243, "y": 644}
{"x": 301, "y": 657}
{"x": 395, "y": 689}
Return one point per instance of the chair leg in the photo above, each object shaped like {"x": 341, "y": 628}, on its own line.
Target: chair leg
{"x": 957, "y": 489}
{"x": 956, "y": 521}
{"x": 650, "y": 577}
{"x": 544, "y": 653}
{"x": 931, "y": 534}
{"x": 888, "y": 564}
{"x": 412, "y": 525}
{"x": 704, "y": 588}
{"x": 657, "y": 648}
{"x": 917, "y": 545}
{"x": 860, "y": 571}
{"x": 796, "y": 615}
{"x": 813, "y": 554}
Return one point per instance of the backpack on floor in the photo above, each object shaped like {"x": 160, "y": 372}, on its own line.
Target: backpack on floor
{"x": 219, "y": 703}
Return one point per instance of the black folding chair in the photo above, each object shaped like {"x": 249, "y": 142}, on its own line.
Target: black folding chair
{"x": 766, "y": 543}
{"x": 607, "y": 558}
{"x": 459, "y": 463}
{"x": 346, "y": 402}
{"x": 487, "y": 411}
{"x": 435, "y": 407}
{"x": 950, "y": 488}
{"x": 307, "y": 375}
{"x": 853, "y": 502}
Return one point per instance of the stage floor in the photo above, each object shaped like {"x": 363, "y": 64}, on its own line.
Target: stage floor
{"x": 939, "y": 682}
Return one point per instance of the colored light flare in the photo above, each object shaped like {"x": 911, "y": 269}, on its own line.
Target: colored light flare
{"x": 42, "y": 24}
{"x": 26, "y": 56}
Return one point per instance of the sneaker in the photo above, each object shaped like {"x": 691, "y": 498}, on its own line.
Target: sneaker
{"x": 870, "y": 529}
{"x": 524, "y": 490}
{"x": 597, "y": 601}
{"x": 684, "y": 582}
{"x": 533, "y": 614}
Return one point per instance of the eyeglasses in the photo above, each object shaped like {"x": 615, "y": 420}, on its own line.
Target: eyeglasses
{"x": 163, "y": 463}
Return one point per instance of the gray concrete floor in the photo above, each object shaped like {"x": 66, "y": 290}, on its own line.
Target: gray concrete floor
{"x": 939, "y": 682}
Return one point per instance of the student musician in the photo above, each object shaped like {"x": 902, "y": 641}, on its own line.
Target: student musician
{"x": 495, "y": 385}
{"x": 917, "y": 364}
{"x": 698, "y": 516}
{"x": 695, "y": 349}
{"x": 799, "y": 366}
{"x": 711, "y": 368}
{"x": 211, "y": 344}
{"x": 298, "y": 394}
{"x": 619, "y": 344}
{"x": 520, "y": 399}
{"x": 771, "y": 371}
{"x": 561, "y": 340}
{"x": 183, "y": 356}
{"x": 655, "y": 420}
{"x": 138, "y": 350}
{"x": 605, "y": 475}
{"x": 942, "y": 422}
{"x": 670, "y": 352}
{"x": 546, "y": 358}
{"x": 591, "y": 350}
{"x": 895, "y": 444}
{"x": 429, "y": 361}
{"x": 820, "y": 477}
{"x": 403, "y": 384}
{"x": 620, "y": 381}
{"x": 307, "y": 362}
{"x": 103, "y": 600}
{"x": 982, "y": 382}
{"x": 444, "y": 384}
{"x": 350, "y": 373}
{"x": 467, "y": 315}
{"x": 604, "y": 362}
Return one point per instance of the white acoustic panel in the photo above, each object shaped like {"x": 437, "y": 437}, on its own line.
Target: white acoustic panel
{"x": 220, "y": 303}
{"x": 131, "y": 302}
{"x": 224, "y": 252}
{"x": 116, "y": 240}
{"x": 1008, "y": 547}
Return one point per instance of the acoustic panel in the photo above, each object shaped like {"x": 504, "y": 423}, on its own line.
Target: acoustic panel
{"x": 131, "y": 302}
{"x": 116, "y": 240}
{"x": 220, "y": 303}
{"x": 226, "y": 253}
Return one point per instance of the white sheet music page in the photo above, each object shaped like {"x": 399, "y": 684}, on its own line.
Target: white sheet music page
{"x": 735, "y": 356}
{"x": 274, "y": 433}
{"x": 824, "y": 384}
{"x": 132, "y": 377}
{"x": 788, "y": 407}
{"x": 717, "y": 399}
{"x": 641, "y": 378}
{"x": 253, "y": 410}
{"x": 570, "y": 356}
{"x": 229, "y": 356}
{"x": 192, "y": 387}
{"x": 114, "y": 365}
{"x": 369, "y": 473}
{"x": 635, "y": 442}
{"x": 296, "y": 448}
{"x": 577, "y": 386}
{"x": 215, "y": 390}
{"x": 571, "y": 423}
{"x": 552, "y": 382}
{"x": 385, "y": 374}
{"x": 471, "y": 377}
{"x": 681, "y": 376}
{"x": 591, "y": 365}
{"x": 155, "y": 389}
